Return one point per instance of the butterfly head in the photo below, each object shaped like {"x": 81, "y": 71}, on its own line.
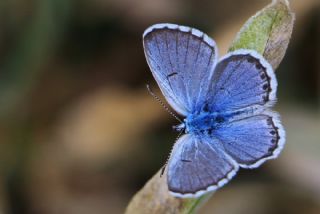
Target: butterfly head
{"x": 179, "y": 128}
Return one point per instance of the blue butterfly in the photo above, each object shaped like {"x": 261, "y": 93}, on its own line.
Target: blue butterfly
{"x": 226, "y": 104}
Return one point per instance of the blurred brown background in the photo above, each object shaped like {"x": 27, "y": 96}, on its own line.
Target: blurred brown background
{"x": 79, "y": 132}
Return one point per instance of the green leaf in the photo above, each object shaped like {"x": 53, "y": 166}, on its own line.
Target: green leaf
{"x": 268, "y": 32}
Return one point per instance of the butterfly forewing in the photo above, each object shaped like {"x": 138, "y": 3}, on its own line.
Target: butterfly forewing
{"x": 197, "y": 166}
{"x": 182, "y": 60}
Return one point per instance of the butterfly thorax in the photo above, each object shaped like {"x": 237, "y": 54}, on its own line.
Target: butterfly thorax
{"x": 204, "y": 122}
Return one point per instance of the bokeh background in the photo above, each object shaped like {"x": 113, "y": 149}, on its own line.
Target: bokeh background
{"x": 79, "y": 132}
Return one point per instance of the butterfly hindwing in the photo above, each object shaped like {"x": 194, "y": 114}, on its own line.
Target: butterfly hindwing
{"x": 197, "y": 166}
{"x": 241, "y": 79}
{"x": 182, "y": 60}
{"x": 253, "y": 140}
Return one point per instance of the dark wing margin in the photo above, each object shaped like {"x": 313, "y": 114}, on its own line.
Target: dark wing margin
{"x": 182, "y": 60}
{"x": 197, "y": 166}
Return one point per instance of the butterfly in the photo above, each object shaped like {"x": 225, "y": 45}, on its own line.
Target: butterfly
{"x": 225, "y": 103}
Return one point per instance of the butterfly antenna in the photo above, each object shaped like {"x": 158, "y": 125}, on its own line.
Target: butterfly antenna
{"x": 166, "y": 163}
{"x": 162, "y": 104}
